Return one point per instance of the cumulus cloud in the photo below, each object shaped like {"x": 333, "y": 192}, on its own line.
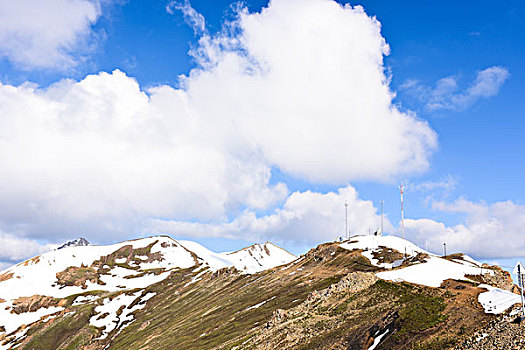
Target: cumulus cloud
{"x": 299, "y": 86}
{"x": 14, "y": 248}
{"x": 305, "y": 218}
{"x": 308, "y": 79}
{"x": 47, "y": 34}
{"x": 101, "y": 155}
{"x": 489, "y": 230}
{"x": 447, "y": 95}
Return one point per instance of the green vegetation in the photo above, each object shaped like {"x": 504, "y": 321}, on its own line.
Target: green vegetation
{"x": 65, "y": 332}
{"x": 438, "y": 343}
{"x": 419, "y": 307}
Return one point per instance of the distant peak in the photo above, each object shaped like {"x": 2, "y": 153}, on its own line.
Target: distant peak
{"x": 257, "y": 246}
{"x": 75, "y": 243}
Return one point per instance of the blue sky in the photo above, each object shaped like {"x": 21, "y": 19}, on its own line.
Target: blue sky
{"x": 456, "y": 67}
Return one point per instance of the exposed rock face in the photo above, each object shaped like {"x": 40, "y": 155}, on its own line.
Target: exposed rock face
{"x": 506, "y": 332}
{"x": 78, "y": 276}
{"x": 75, "y": 243}
{"x": 351, "y": 283}
{"x": 380, "y": 329}
{"x": 35, "y": 302}
{"x": 495, "y": 276}
{"x": 501, "y": 278}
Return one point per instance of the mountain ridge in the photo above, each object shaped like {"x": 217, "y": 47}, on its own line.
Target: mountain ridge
{"x": 160, "y": 293}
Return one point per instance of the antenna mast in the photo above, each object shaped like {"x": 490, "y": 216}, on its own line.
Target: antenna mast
{"x": 381, "y": 202}
{"x": 402, "y": 213}
{"x": 346, "y": 220}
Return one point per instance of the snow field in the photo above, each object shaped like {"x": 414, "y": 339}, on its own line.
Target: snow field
{"x": 434, "y": 271}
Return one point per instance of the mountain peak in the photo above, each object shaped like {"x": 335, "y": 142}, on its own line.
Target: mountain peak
{"x": 260, "y": 256}
{"x": 75, "y": 243}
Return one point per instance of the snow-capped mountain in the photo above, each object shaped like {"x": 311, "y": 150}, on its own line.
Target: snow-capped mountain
{"x": 75, "y": 243}
{"x": 160, "y": 293}
{"x": 255, "y": 258}
{"x": 123, "y": 266}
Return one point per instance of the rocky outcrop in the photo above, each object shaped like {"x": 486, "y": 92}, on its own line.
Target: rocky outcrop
{"x": 351, "y": 283}
{"x": 504, "y": 333}
{"x": 35, "y": 302}
{"x": 78, "y": 276}
{"x": 75, "y": 243}
{"x": 501, "y": 278}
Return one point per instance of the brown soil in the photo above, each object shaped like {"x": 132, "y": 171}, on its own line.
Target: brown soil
{"x": 6, "y": 276}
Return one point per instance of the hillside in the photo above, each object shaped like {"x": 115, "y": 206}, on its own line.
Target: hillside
{"x": 158, "y": 293}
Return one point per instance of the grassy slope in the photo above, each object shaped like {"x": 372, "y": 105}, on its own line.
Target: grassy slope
{"x": 213, "y": 312}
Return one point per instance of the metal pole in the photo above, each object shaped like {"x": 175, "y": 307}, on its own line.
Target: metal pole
{"x": 381, "y": 216}
{"x": 402, "y": 213}
{"x": 445, "y": 249}
{"x": 520, "y": 278}
{"x": 346, "y": 220}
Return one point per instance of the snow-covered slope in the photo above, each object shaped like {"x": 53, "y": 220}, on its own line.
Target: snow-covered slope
{"x": 426, "y": 268}
{"x": 433, "y": 272}
{"x": 84, "y": 268}
{"x": 55, "y": 275}
{"x": 258, "y": 257}
{"x": 375, "y": 244}
{"x": 429, "y": 269}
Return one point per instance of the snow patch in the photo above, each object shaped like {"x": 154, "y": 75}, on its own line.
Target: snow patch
{"x": 256, "y": 306}
{"x": 377, "y": 340}
{"x": 496, "y": 300}
{"x": 12, "y": 321}
{"x": 374, "y": 244}
{"x": 107, "y": 317}
{"x": 432, "y": 273}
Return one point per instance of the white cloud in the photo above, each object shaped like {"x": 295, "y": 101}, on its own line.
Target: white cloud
{"x": 440, "y": 187}
{"x": 446, "y": 94}
{"x": 304, "y": 81}
{"x": 299, "y": 86}
{"x": 192, "y": 17}
{"x": 47, "y": 34}
{"x": 101, "y": 155}
{"x": 489, "y": 231}
{"x": 14, "y": 248}
{"x": 305, "y": 218}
